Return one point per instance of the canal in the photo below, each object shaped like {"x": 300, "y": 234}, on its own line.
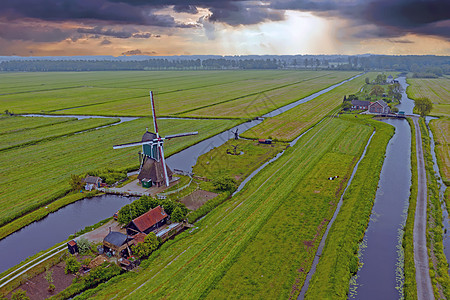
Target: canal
{"x": 381, "y": 251}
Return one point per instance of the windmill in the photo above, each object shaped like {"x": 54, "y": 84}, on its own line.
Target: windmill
{"x": 152, "y": 159}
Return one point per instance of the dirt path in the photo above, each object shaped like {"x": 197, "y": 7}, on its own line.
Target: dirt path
{"x": 424, "y": 287}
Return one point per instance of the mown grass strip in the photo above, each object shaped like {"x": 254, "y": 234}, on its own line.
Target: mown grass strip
{"x": 339, "y": 258}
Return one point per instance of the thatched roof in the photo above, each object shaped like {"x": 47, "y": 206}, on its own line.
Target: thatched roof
{"x": 148, "y": 136}
{"x": 153, "y": 170}
{"x": 92, "y": 179}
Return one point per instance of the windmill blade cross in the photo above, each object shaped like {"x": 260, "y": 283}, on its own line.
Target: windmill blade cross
{"x": 163, "y": 162}
{"x": 154, "y": 114}
{"x": 132, "y": 144}
{"x": 171, "y": 136}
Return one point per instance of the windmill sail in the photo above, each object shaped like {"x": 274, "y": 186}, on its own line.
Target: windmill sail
{"x": 152, "y": 143}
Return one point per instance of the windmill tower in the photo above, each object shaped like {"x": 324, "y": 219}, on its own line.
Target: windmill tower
{"x": 152, "y": 162}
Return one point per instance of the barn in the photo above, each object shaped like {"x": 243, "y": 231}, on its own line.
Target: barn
{"x": 116, "y": 243}
{"x": 150, "y": 221}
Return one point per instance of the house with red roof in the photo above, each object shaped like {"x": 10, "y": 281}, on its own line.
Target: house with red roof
{"x": 150, "y": 221}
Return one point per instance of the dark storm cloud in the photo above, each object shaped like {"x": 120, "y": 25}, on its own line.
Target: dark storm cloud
{"x": 97, "y": 31}
{"x": 191, "y": 9}
{"x": 391, "y": 18}
{"x": 84, "y": 10}
{"x": 34, "y": 33}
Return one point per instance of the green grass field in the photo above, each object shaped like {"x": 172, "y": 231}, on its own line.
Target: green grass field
{"x": 436, "y": 89}
{"x": 27, "y": 136}
{"x": 217, "y": 162}
{"x": 271, "y": 228}
{"x": 178, "y": 92}
{"x": 292, "y": 123}
{"x": 34, "y": 175}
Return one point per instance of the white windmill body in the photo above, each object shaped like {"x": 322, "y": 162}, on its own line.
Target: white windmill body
{"x": 153, "y": 165}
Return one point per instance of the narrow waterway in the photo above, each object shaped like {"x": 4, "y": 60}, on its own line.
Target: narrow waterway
{"x": 56, "y": 227}
{"x": 50, "y": 230}
{"x": 381, "y": 252}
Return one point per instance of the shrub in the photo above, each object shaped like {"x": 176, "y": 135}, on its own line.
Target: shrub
{"x": 224, "y": 183}
{"x": 19, "y": 295}
{"x": 144, "y": 249}
{"x": 83, "y": 246}
{"x": 72, "y": 265}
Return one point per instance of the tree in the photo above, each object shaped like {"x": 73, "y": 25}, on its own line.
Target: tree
{"x": 224, "y": 183}
{"x": 76, "y": 182}
{"x": 423, "y": 106}
{"x": 146, "y": 248}
{"x": 177, "y": 215}
{"x": 346, "y": 105}
{"x": 72, "y": 265}
{"x": 367, "y": 80}
{"x": 377, "y": 90}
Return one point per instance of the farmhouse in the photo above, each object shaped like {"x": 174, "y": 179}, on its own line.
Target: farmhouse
{"x": 116, "y": 243}
{"x": 360, "y": 105}
{"x": 92, "y": 182}
{"x": 390, "y": 79}
{"x": 148, "y": 222}
{"x": 379, "y": 107}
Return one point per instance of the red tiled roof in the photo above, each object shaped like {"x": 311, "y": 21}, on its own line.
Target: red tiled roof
{"x": 150, "y": 218}
{"x": 72, "y": 243}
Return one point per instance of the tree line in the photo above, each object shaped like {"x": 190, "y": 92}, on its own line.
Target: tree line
{"x": 420, "y": 66}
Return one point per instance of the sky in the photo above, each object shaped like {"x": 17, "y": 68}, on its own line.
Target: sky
{"x": 224, "y": 27}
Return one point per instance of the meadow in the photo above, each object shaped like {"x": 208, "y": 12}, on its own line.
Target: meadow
{"x": 289, "y": 125}
{"x": 217, "y": 163}
{"x": 271, "y": 227}
{"x": 438, "y": 91}
{"x": 36, "y": 174}
{"x": 178, "y": 92}
{"x": 45, "y": 131}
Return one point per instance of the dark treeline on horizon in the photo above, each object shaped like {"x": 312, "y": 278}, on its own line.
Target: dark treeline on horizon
{"x": 420, "y": 66}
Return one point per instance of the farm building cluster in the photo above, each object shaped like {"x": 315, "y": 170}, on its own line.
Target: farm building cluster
{"x": 119, "y": 244}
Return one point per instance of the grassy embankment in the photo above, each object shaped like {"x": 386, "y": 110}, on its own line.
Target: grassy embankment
{"x": 339, "y": 257}
{"x": 287, "y": 126}
{"x": 47, "y": 165}
{"x": 409, "y": 268}
{"x": 270, "y": 228}
{"x": 126, "y": 93}
{"x": 438, "y": 261}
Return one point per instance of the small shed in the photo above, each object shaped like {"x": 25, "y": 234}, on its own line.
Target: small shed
{"x": 265, "y": 141}
{"x": 92, "y": 182}
{"x": 72, "y": 247}
{"x": 146, "y": 183}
